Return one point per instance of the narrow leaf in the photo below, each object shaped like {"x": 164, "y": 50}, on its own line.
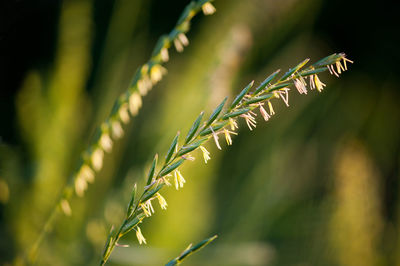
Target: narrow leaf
{"x": 191, "y": 147}
{"x": 328, "y": 60}
{"x": 171, "y": 149}
{"x": 194, "y": 128}
{"x": 259, "y": 98}
{"x": 171, "y": 168}
{"x": 296, "y": 68}
{"x": 216, "y": 112}
{"x": 241, "y": 94}
{"x": 151, "y": 193}
{"x": 107, "y": 248}
{"x": 309, "y": 72}
{"x": 208, "y": 130}
{"x": 128, "y": 226}
{"x": 190, "y": 250}
{"x": 266, "y": 81}
{"x": 204, "y": 243}
{"x": 236, "y": 113}
{"x": 152, "y": 169}
{"x": 279, "y": 86}
{"x": 131, "y": 203}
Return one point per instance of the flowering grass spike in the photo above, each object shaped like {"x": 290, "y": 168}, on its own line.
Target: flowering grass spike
{"x": 243, "y": 107}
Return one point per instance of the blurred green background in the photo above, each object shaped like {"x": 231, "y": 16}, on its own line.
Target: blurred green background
{"x": 316, "y": 185}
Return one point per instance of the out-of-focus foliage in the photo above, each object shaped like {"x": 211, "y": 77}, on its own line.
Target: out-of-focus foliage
{"x": 316, "y": 185}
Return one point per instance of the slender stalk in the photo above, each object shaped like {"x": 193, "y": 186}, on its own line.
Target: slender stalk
{"x": 220, "y": 122}
{"x": 190, "y": 250}
{"x": 127, "y": 105}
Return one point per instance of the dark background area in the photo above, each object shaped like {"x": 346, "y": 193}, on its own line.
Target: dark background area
{"x": 29, "y": 34}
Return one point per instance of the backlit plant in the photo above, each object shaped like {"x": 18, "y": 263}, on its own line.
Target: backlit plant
{"x": 220, "y": 122}
{"x": 223, "y": 121}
